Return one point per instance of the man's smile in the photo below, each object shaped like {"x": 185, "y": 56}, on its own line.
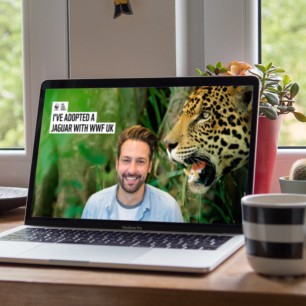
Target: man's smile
{"x": 132, "y": 177}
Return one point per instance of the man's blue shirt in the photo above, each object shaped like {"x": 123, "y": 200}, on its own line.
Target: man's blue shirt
{"x": 157, "y": 205}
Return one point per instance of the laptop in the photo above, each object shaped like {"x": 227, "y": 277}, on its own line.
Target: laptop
{"x": 203, "y": 164}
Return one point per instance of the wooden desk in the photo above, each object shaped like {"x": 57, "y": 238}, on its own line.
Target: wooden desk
{"x": 233, "y": 283}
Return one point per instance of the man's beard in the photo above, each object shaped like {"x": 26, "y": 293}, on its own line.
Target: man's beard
{"x": 123, "y": 182}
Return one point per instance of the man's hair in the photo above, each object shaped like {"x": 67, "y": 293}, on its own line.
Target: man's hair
{"x": 140, "y": 133}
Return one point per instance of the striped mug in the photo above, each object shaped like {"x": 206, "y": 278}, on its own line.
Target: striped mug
{"x": 274, "y": 226}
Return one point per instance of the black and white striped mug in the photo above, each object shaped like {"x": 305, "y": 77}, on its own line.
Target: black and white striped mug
{"x": 274, "y": 226}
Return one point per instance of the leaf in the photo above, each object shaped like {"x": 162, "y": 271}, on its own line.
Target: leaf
{"x": 269, "y": 112}
{"x": 271, "y": 82}
{"x": 294, "y": 90}
{"x": 258, "y": 73}
{"x": 290, "y": 108}
{"x": 219, "y": 65}
{"x": 272, "y": 98}
{"x": 211, "y": 68}
{"x": 286, "y": 79}
{"x": 261, "y": 68}
{"x": 299, "y": 116}
{"x": 199, "y": 72}
{"x": 275, "y": 79}
{"x": 273, "y": 89}
{"x": 279, "y": 70}
{"x": 269, "y": 66}
{"x": 273, "y": 69}
{"x": 279, "y": 88}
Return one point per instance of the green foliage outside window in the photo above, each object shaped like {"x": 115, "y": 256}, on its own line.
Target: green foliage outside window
{"x": 11, "y": 75}
{"x": 283, "y": 43}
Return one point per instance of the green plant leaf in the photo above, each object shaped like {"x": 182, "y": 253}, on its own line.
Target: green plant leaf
{"x": 286, "y": 79}
{"x": 261, "y": 68}
{"x": 275, "y": 79}
{"x": 271, "y": 83}
{"x": 294, "y": 90}
{"x": 199, "y": 72}
{"x": 211, "y": 68}
{"x": 279, "y": 70}
{"x": 272, "y": 98}
{"x": 258, "y": 73}
{"x": 272, "y": 70}
{"x": 219, "y": 65}
{"x": 269, "y": 112}
{"x": 268, "y": 67}
{"x": 273, "y": 89}
{"x": 279, "y": 88}
{"x": 290, "y": 108}
{"x": 299, "y": 116}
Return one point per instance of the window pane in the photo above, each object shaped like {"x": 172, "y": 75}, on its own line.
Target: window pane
{"x": 283, "y": 44}
{"x": 11, "y": 75}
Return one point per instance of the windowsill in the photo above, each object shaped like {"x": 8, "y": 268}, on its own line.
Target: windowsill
{"x": 12, "y": 154}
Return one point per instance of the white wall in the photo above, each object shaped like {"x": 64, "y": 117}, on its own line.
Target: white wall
{"x": 138, "y": 45}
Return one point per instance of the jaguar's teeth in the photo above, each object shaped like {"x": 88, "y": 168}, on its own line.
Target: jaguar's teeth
{"x": 192, "y": 174}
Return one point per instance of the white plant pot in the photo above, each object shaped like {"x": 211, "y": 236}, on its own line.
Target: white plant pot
{"x": 292, "y": 186}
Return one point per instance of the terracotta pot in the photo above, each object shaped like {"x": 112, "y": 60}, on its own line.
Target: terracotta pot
{"x": 267, "y": 141}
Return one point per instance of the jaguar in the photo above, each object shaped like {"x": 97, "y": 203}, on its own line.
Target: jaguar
{"x": 212, "y": 135}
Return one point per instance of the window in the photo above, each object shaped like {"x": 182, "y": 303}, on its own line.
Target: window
{"x": 209, "y": 27}
{"x": 283, "y": 43}
{"x": 11, "y": 87}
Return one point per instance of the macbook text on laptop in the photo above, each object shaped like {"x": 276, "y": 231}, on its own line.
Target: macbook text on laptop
{"x": 189, "y": 217}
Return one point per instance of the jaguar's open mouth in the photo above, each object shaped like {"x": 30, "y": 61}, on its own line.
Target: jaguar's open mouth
{"x": 201, "y": 174}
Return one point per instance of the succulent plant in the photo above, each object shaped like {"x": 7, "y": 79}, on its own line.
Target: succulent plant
{"x": 298, "y": 170}
{"x": 277, "y": 91}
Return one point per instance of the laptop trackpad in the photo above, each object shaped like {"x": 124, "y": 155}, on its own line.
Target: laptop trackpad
{"x": 84, "y": 253}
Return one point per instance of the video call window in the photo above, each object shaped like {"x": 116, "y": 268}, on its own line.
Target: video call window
{"x": 78, "y": 147}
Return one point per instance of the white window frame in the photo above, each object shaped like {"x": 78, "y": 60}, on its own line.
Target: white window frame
{"x": 198, "y": 23}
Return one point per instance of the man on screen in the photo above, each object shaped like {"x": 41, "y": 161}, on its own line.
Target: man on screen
{"x": 133, "y": 199}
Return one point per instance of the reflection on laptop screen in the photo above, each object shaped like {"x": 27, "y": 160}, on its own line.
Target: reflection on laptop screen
{"x": 199, "y": 167}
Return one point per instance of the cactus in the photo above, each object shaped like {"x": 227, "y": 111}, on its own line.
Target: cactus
{"x": 298, "y": 170}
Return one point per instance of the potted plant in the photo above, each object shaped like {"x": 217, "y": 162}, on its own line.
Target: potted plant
{"x": 276, "y": 97}
{"x": 295, "y": 182}
{"x": 277, "y": 92}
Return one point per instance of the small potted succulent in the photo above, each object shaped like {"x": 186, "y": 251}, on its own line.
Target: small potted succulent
{"x": 295, "y": 182}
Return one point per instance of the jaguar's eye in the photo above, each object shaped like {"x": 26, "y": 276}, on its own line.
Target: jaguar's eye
{"x": 203, "y": 117}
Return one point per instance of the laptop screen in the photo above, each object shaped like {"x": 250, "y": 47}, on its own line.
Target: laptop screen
{"x": 175, "y": 151}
